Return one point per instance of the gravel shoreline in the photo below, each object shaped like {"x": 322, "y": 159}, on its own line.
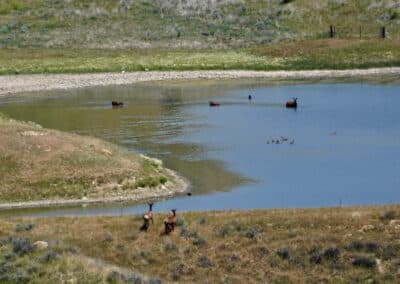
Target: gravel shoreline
{"x": 12, "y": 84}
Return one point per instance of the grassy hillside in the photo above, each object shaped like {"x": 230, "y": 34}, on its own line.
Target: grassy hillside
{"x": 330, "y": 245}
{"x": 42, "y": 164}
{"x": 122, "y": 24}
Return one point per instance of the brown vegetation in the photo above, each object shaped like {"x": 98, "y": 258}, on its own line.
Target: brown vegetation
{"x": 329, "y": 245}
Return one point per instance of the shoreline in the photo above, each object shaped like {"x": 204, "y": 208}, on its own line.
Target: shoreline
{"x": 181, "y": 187}
{"x": 13, "y": 84}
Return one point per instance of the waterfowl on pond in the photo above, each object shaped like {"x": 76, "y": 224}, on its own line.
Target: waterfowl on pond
{"x": 117, "y": 103}
{"x": 212, "y": 103}
{"x": 292, "y": 103}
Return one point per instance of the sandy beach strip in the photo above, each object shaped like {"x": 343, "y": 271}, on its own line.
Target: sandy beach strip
{"x": 12, "y": 84}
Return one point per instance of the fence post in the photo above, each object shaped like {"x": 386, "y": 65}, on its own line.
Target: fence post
{"x": 360, "y": 31}
{"x": 332, "y": 31}
{"x": 383, "y": 32}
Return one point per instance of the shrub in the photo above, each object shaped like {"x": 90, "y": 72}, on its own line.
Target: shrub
{"x": 224, "y": 230}
{"x": 202, "y": 220}
{"x": 389, "y": 215}
{"x": 115, "y": 277}
{"x": 29, "y": 227}
{"x": 10, "y": 256}
{"x": 316, "y": 257}
{"x": 50, "y": 255}
{"x": 163, "y": 179}
{"x": 372, "y": 247}
{"x": 332, "y": 254}
{"x": 170, "y": 247}
{"x": 155, "y": 281}
{"x": 283, "y": 253}
{"x": 181, "y": 269}
{"x": 364, "y": 261}
{"x": 260, "y": 251}
{"x": 204, "y": 261}
{"x": 251, "y": 233}
{"x": 199, "y": 241}
{"x": 134, "y": 278}
{"x": 356, "y": 245}
{"x": 23, "y": 246}
{"x": 18, "y": 228}
{"x": 390, "y": 251}
{"x": 21, "y": 277}
{"x": 108, "y": 237}
{"x": 180, "y": 221}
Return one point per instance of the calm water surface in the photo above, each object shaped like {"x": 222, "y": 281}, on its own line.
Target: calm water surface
{"x": 344, "y": 150}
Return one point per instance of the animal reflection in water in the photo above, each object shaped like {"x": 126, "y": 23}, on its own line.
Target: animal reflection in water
{"x": 292, "y": 103}
{"x": 117, "y": 104}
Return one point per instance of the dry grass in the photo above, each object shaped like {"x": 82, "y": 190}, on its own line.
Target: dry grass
{"x": 291, "y": 246}
{"x": 39, "y": 164}
{"x": 304, "y": 47}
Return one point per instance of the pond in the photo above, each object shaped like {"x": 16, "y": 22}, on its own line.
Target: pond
{"x": 341, "y": 146}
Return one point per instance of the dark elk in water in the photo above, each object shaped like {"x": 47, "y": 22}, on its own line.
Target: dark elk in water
{"x": 292, "y": 103}
{"x": 213, "y": 104}
{"x": 117, "y": 104}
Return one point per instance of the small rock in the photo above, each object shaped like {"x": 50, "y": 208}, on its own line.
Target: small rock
{"x": 394, "y": 223}
{"x": 356, "y": 214}
{"x": 41, "y": 244}
{"x": 107, "y": 152}
{"x": 366, "y": 228}
{"x": 379, "y": 265}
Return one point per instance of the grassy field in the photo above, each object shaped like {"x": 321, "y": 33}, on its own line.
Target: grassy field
{"x": 42, "y": 164}
{"x": 288, "y": 55}
{"x": 330, "y": 245}
{"x": 38, "y": 36}
{"x": 128, "y": 24}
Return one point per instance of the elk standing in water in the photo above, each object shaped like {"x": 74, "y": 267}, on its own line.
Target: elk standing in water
{"x": 213, "y": 104}
{"x": 292, "y": 103}
{"x": 117, "y": 104}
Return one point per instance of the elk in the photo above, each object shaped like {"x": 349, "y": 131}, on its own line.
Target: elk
{"x": 117, "y": 104}
{"x": 212, "y": 103}
{"x": 292, "y": 103}
{"x": 170, "y": 222}
{"x": 147, "y": 217}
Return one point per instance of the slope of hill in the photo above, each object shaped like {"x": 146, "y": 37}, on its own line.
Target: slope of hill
{"x": 122, "y": 24}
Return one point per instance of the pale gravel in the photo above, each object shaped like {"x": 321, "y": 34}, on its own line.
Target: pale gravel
{"x": 12, "y": 84}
